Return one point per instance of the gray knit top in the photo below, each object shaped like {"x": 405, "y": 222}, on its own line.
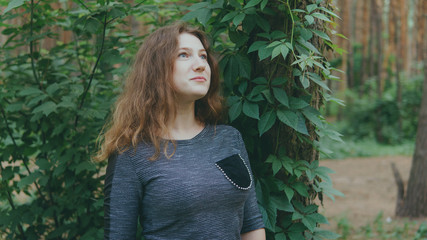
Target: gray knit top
{"x": 205, "y": 191}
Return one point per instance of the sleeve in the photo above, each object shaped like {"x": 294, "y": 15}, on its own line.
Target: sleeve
{"x": 122, "y": 198}
{"x": 252, "y": 218}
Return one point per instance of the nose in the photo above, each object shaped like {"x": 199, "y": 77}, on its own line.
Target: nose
{"x": 199, "y": 64}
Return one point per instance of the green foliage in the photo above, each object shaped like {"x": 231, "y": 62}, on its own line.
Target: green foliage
{"x": 274, "y": 75}
{"x": 382, "y": 228}
{"x": 54, "y": 102}
{"x": 361, "y": 113}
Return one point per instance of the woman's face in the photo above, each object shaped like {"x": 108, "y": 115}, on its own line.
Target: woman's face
{"x": 191, "y": 73}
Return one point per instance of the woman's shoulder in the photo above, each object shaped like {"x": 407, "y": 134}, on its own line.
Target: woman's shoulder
{"x": 222, "y": 128}
{"x": 226, "y": 130}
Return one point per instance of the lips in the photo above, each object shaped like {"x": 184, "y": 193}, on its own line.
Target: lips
{"x": 198, "y": 79}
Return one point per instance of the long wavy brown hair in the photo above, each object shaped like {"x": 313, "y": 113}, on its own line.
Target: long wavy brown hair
{"x": 147, "y": 102}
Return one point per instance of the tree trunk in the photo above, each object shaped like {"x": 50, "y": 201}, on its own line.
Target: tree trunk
{"x": 371, "y": 38}
{"x": 350, "y": 58}
{"x": 376, "y": 5}
{"x": 415, "y": 201}
{"x": 421, "y": 10}
{"x": 365, "y": 50}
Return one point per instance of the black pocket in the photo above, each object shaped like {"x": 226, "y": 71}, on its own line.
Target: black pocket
{"x": 236, "y": 171}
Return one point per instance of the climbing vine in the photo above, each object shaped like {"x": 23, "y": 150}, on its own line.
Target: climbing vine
{"x": 274, "y": 69}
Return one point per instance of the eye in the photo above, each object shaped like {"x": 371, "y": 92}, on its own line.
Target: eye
{"x": 183, "y": 55}
{"x": 204, "y": 56}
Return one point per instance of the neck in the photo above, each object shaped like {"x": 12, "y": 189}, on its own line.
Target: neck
{"x": 185, "y": 124}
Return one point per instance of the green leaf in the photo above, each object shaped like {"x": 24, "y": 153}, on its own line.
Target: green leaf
{"x": 321, "y": 17}
{"x": 203, "y": 15}
{"x": 284, "y": 50}
{"x": 274, "y": 44}
{"x": 305, "y": 34}
{"x": 244, "y": 66}
{"x": 276, "y": 52}
{"x": 321, "y": 34}
{"x": 316, "y": 78}
{"x": 288, "y": 117}
{"x": 279, "y": 81}
{"x": 301, "y": 188}
{"x": 280, "y": 236}
{"x": 260, "y": 80}
{"x": 266, "y": 121}
{"x": 325, "y": 234}
{"x": 269, "y": 216}
{"x": 268, "y": 96}
{"x": 46, "y": 108}
{"x": 308, "y": 45}
{"x": 229, "y": 16}
{"x": 309, "y": 223}
{"x": 256, "y": 46}
{"x": 235, "y": 111}
{"x": 277, "y": 35}
{"x": 14, "y": 107}
{"x": 281, "y": 96}
{"x": 85, "y": 165}
{"x": 323, "y": 172}
{"x": 329, "y": 12}
{"x": 301, "y": 127}
{"x": 296, "y": 236}
{"x": 52, "y": 88}
{"x": 92, "y": 25}
{"x": 289, "y": 192}
{"x": 309, "y": 18}
{"x": 304, "y": 81}
{"x": 231, "y": 71}
{"x": 30, "y": 91}
{"x": 311, "y": 7}
{"x": 264, "y": 53}
{"x": 117, "y": 12}
{"x": 313, "y": 115}
{"x": 198, "y": 6}
{"x": 263, "y": 24}
{"x": 251, "y": 109}
{"x": 13, "y": 4}
{"x": 252, "y": 3}
{"x": 276, "y": 166}
{"x": 29, "y": 179}
{"x": 280, "y": 204}
{"x": 239, "y": 18}
{"x": 297, "y": 103}
{"x": 263, "y": 4}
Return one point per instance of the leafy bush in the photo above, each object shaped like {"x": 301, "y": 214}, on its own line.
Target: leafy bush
{"x": 55, "y": 100}
{"x": 362, "y": 114}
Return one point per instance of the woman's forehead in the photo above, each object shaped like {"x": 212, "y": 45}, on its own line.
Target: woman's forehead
{"x": 189, "y": 41}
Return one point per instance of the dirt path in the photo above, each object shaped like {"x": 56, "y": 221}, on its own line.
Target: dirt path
{"x": 369, "y": 188}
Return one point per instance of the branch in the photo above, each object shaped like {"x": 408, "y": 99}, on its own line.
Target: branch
{"x": 10, "y": 200}
{"x": 94, "y": 68}
{"x": 9, "y": 131}
{"x": 82, "y": 3}
{"x": 31, "y": 44}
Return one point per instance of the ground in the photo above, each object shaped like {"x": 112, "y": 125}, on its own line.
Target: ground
{"x": 369, "y": 188}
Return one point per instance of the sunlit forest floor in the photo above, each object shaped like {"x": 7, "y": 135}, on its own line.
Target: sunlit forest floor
{"x": 367, "y": 210}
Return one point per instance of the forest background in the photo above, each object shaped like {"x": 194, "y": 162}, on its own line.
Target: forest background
{"x": 286, "y": 83}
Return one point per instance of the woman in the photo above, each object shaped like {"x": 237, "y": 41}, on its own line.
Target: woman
{"x": 170, "y": 165}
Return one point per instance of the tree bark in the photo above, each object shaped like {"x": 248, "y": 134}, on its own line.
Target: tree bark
{"x": 415, "y": 202}
{"x": 376, "y": 5}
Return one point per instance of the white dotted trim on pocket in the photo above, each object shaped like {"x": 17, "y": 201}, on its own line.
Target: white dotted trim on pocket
{"x": 247, "y": 168}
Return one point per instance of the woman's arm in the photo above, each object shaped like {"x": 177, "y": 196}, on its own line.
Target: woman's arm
{"x": 122, "y": 193}
{"x": 258, "y": 234}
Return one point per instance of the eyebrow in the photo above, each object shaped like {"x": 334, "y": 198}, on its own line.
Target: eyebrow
{"x": 189, "y": 49}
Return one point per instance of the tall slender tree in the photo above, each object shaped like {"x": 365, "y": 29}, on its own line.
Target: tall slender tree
{"x": 415, "y": 201}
